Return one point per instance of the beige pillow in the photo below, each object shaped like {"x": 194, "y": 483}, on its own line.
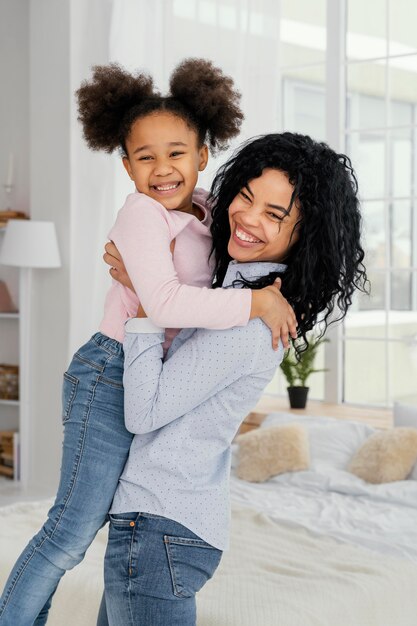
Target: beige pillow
{"x": 386, "y": 456}
{"x": 266, "y": 452}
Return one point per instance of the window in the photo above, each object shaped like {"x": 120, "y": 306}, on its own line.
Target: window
{"x": 380, "y": 335}
{"x": 344, "y": 71}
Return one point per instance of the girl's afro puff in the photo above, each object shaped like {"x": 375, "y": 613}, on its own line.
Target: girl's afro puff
{"x": 103, "y": 102}
{"x": 210, "y": 96}
{"x": 200, "y": 94}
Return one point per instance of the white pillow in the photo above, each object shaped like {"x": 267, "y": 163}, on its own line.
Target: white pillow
{"x": 333, "y": 442}
{"x": 406, "y": 415}
{"x": 413, "y": 474}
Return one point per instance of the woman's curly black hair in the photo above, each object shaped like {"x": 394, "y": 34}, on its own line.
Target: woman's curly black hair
{"x": 325, "y": 264}
{"x": 200, "y": 94}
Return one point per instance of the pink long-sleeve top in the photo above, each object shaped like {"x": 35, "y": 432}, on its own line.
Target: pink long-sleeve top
{"x": 174, "y": 289}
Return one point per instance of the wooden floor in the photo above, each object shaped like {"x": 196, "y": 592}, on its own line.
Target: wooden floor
{"x": 378, "y": 418}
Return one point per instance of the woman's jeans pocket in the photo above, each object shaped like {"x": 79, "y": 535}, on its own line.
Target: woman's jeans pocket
{"x": 192, "y": 562}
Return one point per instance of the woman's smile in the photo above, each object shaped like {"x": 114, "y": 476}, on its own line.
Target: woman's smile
{"x": 244, "y": 238}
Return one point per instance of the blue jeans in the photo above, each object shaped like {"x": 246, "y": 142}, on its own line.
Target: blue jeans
{"x": 152, "y": 570}
{"x": 95, "y": 448}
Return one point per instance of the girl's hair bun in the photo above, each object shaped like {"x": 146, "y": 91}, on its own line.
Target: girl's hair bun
{"x": 211, "y": 98}
{"x": 104, "y": 101}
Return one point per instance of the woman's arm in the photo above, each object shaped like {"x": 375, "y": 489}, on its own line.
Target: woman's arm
{"x": 208, "y": 362}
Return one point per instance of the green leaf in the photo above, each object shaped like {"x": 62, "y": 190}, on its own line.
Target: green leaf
{"x": 298, "y": 372}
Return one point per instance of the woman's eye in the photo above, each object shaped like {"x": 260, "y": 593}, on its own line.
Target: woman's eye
{"x": 276, "y": 217}
{"x": 245, "y": 196}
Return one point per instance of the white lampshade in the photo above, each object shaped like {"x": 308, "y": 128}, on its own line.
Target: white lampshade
{"x": 29, "y": 243}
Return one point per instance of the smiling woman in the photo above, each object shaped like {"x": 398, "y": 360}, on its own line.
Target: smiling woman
{"x": 307, "y": 214}
{"x": 292, "y": 200}
{"x": 263, "y": 219}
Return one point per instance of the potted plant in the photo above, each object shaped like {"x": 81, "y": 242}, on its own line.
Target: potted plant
{"x": 297, "y": 369}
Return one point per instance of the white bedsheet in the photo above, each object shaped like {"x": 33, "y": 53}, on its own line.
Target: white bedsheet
{"x": 331, "y": 501}
{"x": 275, "y": 574}
{"x": 350, "y": 571}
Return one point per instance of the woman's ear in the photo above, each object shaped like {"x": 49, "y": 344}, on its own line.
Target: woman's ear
{"x": 203, "y": 158}
{"x": 127, "y": 167}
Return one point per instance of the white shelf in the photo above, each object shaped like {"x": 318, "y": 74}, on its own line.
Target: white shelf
{"x": 9, "y": 402}
{"x": 10, "y": 410}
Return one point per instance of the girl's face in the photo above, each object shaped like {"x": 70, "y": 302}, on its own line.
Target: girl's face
{"x": 163, "y": 159}
{"x": 261, "y": 225}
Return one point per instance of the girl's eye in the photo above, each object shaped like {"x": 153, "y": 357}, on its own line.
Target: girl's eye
{"x": 145, "y": 158}
{"x": 175, "y": 154}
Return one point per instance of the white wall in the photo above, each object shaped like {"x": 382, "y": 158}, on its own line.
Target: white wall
{"x": 14, "y": 117}
{"x": 34, "y": 126}
{"x": 49, "y": 200}
{"x": 14, "y": 100}
{"x": 61, "y": 54}
{"x": 44, "y": 54}
{"x": 14, "y": 138}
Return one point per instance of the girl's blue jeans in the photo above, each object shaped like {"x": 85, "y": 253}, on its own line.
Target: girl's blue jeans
{"x": 153, "y": 568}
{"x": 95, "y": 449}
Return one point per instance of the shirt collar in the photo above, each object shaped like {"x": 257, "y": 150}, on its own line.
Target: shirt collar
{"x": 250, "y": 271}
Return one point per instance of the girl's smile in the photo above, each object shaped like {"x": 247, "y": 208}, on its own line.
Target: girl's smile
{"x": 167, "y": 189}
{"x": 262, "y": 222}
{"x": 164, "y": 159}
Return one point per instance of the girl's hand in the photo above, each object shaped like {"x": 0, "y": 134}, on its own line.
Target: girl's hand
{"x": 117, "y": 270}
{"x": 270, "y": 305}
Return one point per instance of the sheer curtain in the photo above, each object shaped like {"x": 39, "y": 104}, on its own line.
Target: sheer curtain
{"x": 240, "y": 36}
{"x": 92, "y": 204}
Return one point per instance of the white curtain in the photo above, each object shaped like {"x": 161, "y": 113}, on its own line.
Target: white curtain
{"x": 240, "y": 36}
{"x": 92, "y": 204}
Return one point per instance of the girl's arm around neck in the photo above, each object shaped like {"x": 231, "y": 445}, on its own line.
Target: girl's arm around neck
{"x": 143, "y": 234}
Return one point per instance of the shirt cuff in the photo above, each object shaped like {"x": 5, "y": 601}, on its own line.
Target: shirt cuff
{"x": 142, "y": 325}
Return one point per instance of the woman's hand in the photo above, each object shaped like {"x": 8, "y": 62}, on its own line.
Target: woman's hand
{"x": 270, "y": 305}
{"x": 117, "y": 270}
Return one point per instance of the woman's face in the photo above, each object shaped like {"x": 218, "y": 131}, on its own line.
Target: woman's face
{"x": 261, "y": 224}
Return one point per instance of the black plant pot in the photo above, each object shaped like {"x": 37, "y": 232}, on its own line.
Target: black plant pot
{"x": 298, "y": 397}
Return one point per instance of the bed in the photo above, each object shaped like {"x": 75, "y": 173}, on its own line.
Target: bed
{"x": 319, "y": 547}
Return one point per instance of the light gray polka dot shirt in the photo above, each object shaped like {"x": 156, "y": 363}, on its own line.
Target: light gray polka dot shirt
{"x": 185, "y": 412}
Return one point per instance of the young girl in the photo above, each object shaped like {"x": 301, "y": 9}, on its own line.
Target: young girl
{"x": 163, "y": 142}
{"x": 295, "y": 201}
